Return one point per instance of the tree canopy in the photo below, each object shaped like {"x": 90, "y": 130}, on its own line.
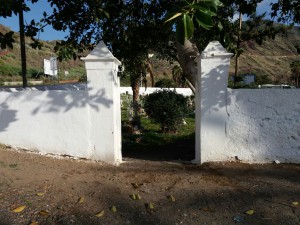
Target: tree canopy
{"x": 134, "y": 28}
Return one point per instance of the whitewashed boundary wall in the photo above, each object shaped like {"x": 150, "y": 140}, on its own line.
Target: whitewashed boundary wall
{"x": 254, "y": 126}
{"x": 76, "y": 120}
{"x": 263, "y": 125}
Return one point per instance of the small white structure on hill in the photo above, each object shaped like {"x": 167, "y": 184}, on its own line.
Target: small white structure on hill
{"x": 50, "y": 67}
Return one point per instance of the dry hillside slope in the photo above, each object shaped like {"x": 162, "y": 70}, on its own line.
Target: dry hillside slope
{"x": 272, "y": 58}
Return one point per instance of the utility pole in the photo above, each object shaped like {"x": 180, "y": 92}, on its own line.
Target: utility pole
{"x": 238, "y": 45}
{"x": 22, "y": 43}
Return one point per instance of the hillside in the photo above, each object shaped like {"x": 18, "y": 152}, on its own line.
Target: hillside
{"x": 271, "y": 59}
{"x": 10, "y": 60}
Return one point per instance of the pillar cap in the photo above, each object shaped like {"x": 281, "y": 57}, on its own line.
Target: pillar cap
{"x": 100, "y": 54}
{"x": 215, "y": 49}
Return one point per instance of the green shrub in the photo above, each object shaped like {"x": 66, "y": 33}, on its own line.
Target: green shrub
{"x": 165, "y": 83}
{"x": 82, "y": 79}
{"x": 167, "y": 108}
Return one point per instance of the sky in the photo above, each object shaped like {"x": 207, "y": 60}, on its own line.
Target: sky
{"x": 36, "y": 13}
{"x": 38, "y": 8}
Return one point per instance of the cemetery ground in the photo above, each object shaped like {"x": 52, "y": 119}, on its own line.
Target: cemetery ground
{"x": 155, "y": 184}
{"x": 37, "y": 189}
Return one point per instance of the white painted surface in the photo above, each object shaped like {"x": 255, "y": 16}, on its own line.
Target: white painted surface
{"x": 211, "y": 86}
{"x": 150, "y": 90}
{"x": 46, "y": 121}
{"x": 103, "y": 82}
{"x": 50, "y": 67}
{"x": 77, "y": 120}
{"x": 254, "y": 125}
{"x": 263, "y": 126}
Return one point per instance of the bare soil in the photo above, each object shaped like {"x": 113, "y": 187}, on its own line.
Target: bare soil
{"x": 68, "y": 191}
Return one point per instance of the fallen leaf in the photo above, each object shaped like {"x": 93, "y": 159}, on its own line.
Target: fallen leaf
{"x": 100, "y": 214}
{"x": 19, "y": 209}
{"x": 40, "y": 194}
{"x": 133, "y": 197}
{"x": 43, "y": 212}
{"x": 135, "y": 185}
{"x": 81, "y": 200}
{"x": 150, "y": 205}
{"x": 138, "y": 197}
{"x": 250, "y": 212}
{"x": 34, "y": 223}
{"x": 172, "y": 198}
{"x": 207, "y": 209}
{"x": 113, "y": 209}
{"x": 295, "y": 203}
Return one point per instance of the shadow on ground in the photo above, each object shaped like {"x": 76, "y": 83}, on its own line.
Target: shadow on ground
{"x": 145, "y": 147}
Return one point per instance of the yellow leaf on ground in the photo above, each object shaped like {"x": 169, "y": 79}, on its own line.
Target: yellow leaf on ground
{"x": 19, "y": 209}
{"x": 100, "y": 214}
{"x": 81, "y": 200}
{"x": 34, "y": 223}
{"x": 113, "y": 209}
{"x": 43, "y": 212}
{"x": 135, "y": 185}
{"x": 250, "y": 212}
{"x": 138, "y": 197}
{"x": 172, "y": 198}
{"x": 150, "y": 205}
{"x": 295, "y": 203}
{"x": 133, "y": 197}
{"x": 40, "y": 194}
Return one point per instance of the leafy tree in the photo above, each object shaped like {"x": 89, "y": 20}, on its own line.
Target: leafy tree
{"x": 186, "y": 16}
{"x": 286, "y": 11}
{"x": 165, "y": 83}
{"x": 167, "y": 108}
{"x": 295, "y": 68}
{"x": 9, "y": 8}
{"x": 232, "y": 34}
{"x": 131, "y": 29}
{"x": 177, "y": 76}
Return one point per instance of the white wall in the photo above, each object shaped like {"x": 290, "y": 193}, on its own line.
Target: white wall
{"x": 76, "y": 120}
{"x": 254, "y": 125}
{"x": 46, "y": 121}
{"x": 263, "y": 125}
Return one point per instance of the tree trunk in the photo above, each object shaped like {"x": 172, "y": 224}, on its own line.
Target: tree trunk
{"x": 187, "y": 54}
{"x": 150, "y": 70}
{"x": 135, "y": 85}
{"x": 22, "y": 43}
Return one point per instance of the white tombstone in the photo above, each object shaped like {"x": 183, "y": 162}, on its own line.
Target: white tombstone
{"x": 211, "y": 87}
{"x": 105, "y": 110}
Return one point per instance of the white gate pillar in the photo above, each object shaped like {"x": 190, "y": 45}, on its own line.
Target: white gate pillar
{"x": 104, "y": 104}
{"x": 211, "y": 89}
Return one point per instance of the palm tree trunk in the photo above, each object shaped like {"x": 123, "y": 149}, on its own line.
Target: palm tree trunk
{"x": 150, "y": 70}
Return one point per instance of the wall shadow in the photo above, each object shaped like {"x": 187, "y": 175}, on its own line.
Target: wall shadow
{"x": 50, "y": 99}
{"x": 7, "y": 116}
{"x": 181, "y": 150}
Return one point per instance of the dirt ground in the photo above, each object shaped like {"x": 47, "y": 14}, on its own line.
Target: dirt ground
{"x": 68, "y": 191}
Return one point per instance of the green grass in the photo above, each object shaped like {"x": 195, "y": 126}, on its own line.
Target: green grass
{"x": 151, "y": 141}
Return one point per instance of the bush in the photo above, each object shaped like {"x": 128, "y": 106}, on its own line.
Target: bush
{"x": 165, "y": 83}
{"x": 167, "y": 108}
